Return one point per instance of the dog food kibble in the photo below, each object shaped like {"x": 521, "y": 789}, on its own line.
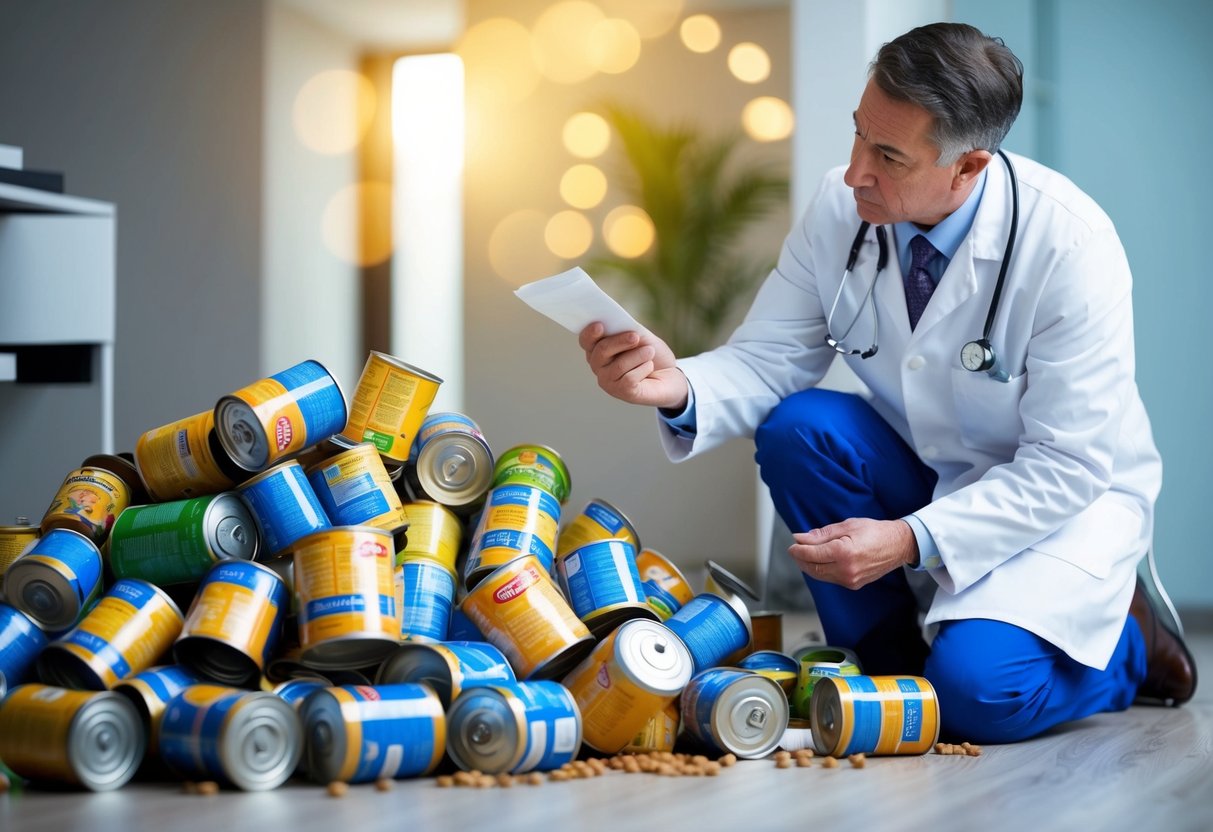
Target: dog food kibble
{"x": 445, "y": 781}
{"x": 335, "y": 789}
{"x": 383, "y": 784}
{"x": 829, "y": 762}
{"x": 208, "y": 787}
{"x": 858, "y": 760}
{"x": 804, "y": 762}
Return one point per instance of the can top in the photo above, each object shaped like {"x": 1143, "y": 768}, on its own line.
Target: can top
{"x": 456, "y": 467}
{"x": 123, "y": 470}
{"x": 273, "y": 470}
{"x": 750, "y": 714}
{"x": 486, "y": 726}
{"x": 262, "y": 741}
{"x": 728, "y": 581}
{"x": 433, "y": 664}
{"x": 229, "y": 528}
{"x": 653, "y": 657}
{"x": 396, "y": 362}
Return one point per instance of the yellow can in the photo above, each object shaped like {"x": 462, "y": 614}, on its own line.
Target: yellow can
{"x": 389, "y": 405}
{"x": 599, "y": 520}
{"x": 659, "y": 733}
{"x": 521, "y": 612}
{"x": 184, "y": 459}
{"x": 434, "y": 532}
{"x": 355, "y": 490}
{"x": 13, "y": 540}
{"x": 517, "y": 520}
{"x": 346, "y": 588}
{"x": 89, "y": 502}
{"x": 666, "y": 589}
{"x": 874, "y": 715}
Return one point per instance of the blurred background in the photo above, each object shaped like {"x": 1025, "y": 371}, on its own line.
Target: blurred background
{"x": 302, "y": 179}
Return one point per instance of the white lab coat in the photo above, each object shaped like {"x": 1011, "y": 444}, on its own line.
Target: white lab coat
{"x": 1047, "y": 483}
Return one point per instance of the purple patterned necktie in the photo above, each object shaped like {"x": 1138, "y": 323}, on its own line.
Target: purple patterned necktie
{"x": 919, "y": 285}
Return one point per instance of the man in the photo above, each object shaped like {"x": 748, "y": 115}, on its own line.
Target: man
{"x": 1012, "y": 487}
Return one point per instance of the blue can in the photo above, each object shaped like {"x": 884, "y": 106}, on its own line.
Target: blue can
{"x": 150, "y": 692}
{"x": 449, "y": 668}
{"x": 769, "y": 660}
{"x": 20, "y": 643}
{"x": 603, "y": 585}
{"x": 55, "y": 579}
{"x": 285, "y": 506}
{"x": 711, "y": 628}
{"x": 426, "y": 599}
{"x": 358, "y": 733}
{"x": 249, "y": 739}
{"x": 518, "y": 727}
{"x": 463, "y": 628}
{"x": 663, "y": 602}
{"x": 294, "y": 691}
{"x": 728, "y": 710}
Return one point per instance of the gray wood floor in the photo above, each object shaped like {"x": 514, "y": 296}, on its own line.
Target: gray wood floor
{"x": 1146, "y": 769}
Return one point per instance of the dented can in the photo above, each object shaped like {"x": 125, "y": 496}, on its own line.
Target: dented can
{"x": 355, "y": 489}
{"x": 390, "y": 402}
{"x": 55, "y": 579}
{"x": 732, "y": 711}
{"x": 874, "y": 715}
{"x": 536, "y": 465}
{"x": 150, "y": 692}
{"x": 284, "y": 505}
{"x": 514, "y": 727}
{"x": 518, "y": 520}
{"x": 602, "y": 585}
{"x": 434, "y": 532}
{"x": 449, "y": 668}
{"x": 599, "y": 520}
{"x": 88, "y": 502}
{"x": 184, "y": 459}
{"x": 450, "y": 462}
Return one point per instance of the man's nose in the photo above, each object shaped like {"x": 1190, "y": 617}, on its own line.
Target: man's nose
{"x": 858, "y": 173}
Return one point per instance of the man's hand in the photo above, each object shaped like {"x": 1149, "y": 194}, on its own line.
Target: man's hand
{"x": 855, "y": 552}
{"x": 634, "y": 367}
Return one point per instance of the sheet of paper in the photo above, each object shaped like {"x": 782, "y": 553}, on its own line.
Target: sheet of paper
{"x": 573, "y": 300}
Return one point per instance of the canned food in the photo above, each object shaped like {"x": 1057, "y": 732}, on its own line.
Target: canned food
{"x": 599, "y": 520}
{"x": 712, "y": 627}
{"x": 20, "y": 643}
{"x": 294, "y": 691}
{"x": 665, "y": 587}
{"x": 347, "y": 597}
{"x": 602, "y": 585}
{"x": 284, "y": 505}
{"x": 514, "y": 727}
{"x": 179, "y": 542}
{"x": 814, "y": 663}
{"x": 449, "y": 668}
{"x": 462, "y": 628}
{"x": 88, "y": 502}
{"x": 13, "y": 540}
{"x": 356, "y": 734}
{"x": 520, "y": 611}
{"x": 184, "y": 459}
{"x": 659, "y": 734}
{"x": 434, "y": 532}
{"x": 355, "y": 489}
{"x": 768, "y": 630}
{"x": 632, "y": 674}
{"x": 426, "y": 599}
{"x": 234, "y": 623}
{"x": 134, "y": 624}
{"x": 250, "y": 739}
{"x": 518, "y": 520}
{"x": 536, "y": 465}
{"x": 450, "y": 462}
{"x": 150, "y": 692}
{"x": 721, "y": 581}
{"x": 277, "y": 416}
{"x": 874, "y": 715}
{"x": 774, "y": 665}
{"x": 94, "y": 740}
{"x": 390, "y": 402}
{"x": 735, "y": 711}
{"x": 55, "y": 579}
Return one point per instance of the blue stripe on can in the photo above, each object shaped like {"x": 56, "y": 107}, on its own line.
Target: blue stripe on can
{"x": 80, "y": 559}
{"x": 553, "y": 724}
{"x": 323, "y": 409}
{"x": 285, "y": 506}
{"x": 190, "y": 732}
{"x": 20, "y": 643}
{"x": 601, "y": 574}
{"x": 166, "y": 682}
{"x": 660, "y": 599}
{"x": 480, "y": 663}
{"x": 429, "y": 592}
{"x": 911, "y": 729}
{"x": 603, "y": 516}
{"x": 711, "y": 629}
{"x": 867, "y": 716}
{"x": 398, "y": 721}
{"x": 463, "y": 628}
{"x": 354, "y": 502}
{"x": 699, "y": 700}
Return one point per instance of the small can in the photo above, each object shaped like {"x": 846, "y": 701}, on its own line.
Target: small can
{"x": 732, "y": 711}
{"x": 427, "y": 598}
{"x": 278, "y": 416}
{"x": 55, "y": 579}
{"x": 812, "y": 664}
{"x": 347, "y": 597}
{"x": 184, "y": 459}
{"x": 133, "y": 625}
{"x": 360, "y": 733}
{"x": 179, "y": 542}
{"x": 536, "y": 465}
{"x": 294, "y": 691}
{"x": 88, "y": 502}
{"x": 250, "y": 739}
{"x": 522, "y": 613}
{"x": 514, "y": 727}
{"x": 659, "y": 734}
{"x": 665, "y": 587}
{"x": 599, "y": 520}
{"x": 450, "y": 462}
{"x": 712, "y": 627}
{"x": 234, "y": 623}
{"x": 874, "y": 715}
{"x": 518, "y": 520}
{"x": 285, "y": 506}
{"x": 434, "y": 532}
{"x": 768, "y": 630}
{"x": 94, "y": 740}
{"x": 20, "y": 643}
{"x": 774, "y": 665}
{"x": 390, "y": 402}
{"x": 150, "y": 692}
{"x": 602, "y": 585}
{"x": 355, "y": 489}
{"x": 13, "y": 540}
{"x": 632, "y": 674}
{"x": 449, "y": 668}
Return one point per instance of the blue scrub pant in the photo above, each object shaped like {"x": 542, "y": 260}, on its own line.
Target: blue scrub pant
{"x": 827, "y": 457}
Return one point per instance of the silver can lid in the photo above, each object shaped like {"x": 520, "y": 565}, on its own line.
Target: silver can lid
{"x": 750, "y": 716}
{"x": 42, "y": 593}
{"x": 241, "y": 434}
{"x": 653, "y": 657}
{"x": 229, "y": 527}
{"x": 455, "y": 469}
{"x": 726, "y": 580}
{"x": 262, "y": 742}
{"x": 485, "y": 731}
{"x": 429, "y": 663}
{"x": 105, "y": 742}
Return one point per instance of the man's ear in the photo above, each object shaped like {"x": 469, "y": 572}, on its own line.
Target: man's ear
{"x": 969, "y": 166}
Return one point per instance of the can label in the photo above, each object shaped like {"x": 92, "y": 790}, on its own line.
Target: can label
{"x": 711, "y": 629}
{"x": 518, "y": 520}
{"x": 21, "y": 641}
{"x": 389, "y": 405}
{"x": 345, "y": 585}
{"x": 191, "y": 726}
{"x": 428, "y": 594}
{"x": 881, "y": 715}
{"x": 533, "y": 465}
{"x": 165, "y": 543}
{"x": 815, "y": 664}
{"x": 177, "y": 462}
{"x": 155, "y": 688}
{"x": 71, "y": 555}
{"x": 662, "y": 602}
{"x": 285, "y": 506}
{"x": 660, "y": 733}
{"x": 656, "y": 568}
{"x": 597, "y": 521}
{"x": 355, "y": 490}
{"x": 599, "y": 575}
{"x": 479, "y": 663}
{"x": 242, "y": 605}
{"x": 699, "y": 702}
{"x": 434, "y": 532}
{"x": 13, "y": 541}
{"x": 35, "y": 725}
{"x": 89, "y": 501}
{"x": 294, "y": 691}
{"x": 437, "y": 424}
{"x": 553, "y": 729}
{"x": 392, "y": 731}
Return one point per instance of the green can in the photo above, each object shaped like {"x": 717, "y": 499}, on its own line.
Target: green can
{"x": 178, "y": 542}
{"x": 816, "y": 663}
{"x": 536, "y": 465}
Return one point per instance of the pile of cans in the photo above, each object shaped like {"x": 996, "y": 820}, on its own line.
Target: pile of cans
{"x": 369, "y": 594}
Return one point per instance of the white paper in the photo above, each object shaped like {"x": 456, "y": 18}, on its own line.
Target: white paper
{"x": 573, "y": 300}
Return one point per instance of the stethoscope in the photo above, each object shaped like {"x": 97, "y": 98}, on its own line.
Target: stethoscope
{"x": 978, "y": 355}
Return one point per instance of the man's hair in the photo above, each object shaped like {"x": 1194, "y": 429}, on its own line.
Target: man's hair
{"x": 972, "y": 84}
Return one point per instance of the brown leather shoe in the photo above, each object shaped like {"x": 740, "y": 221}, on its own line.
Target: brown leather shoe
{"x": 1170, "y": 668}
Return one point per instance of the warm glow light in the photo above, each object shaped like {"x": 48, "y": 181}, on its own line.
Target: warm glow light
{"x": 614, "y": 46}
{"x": 586, "y": 135}
{"x": 768, "y": 119}
{"x": 628, "y": 231}
{"x": 583, "y": 186}
{"x": 517, "y": 250}
{"x": 562, "y": 42}
{"x": 497, "y": 55}
{"x": 348, "y": 209}
{"x": 749, "y": 63}
{"x": 652, "y": 18}
{"x": 700, "y": 33}
{"x": 333, "y": 111}
{"x": 568, "y": 234}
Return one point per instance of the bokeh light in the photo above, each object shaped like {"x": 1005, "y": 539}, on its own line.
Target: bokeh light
{"x": 562, "y": 41}
{"x": 768, "y": 119}
{"x": 628, "y": 231}
{"x": 700, "y": 33}
{"x": 517, "y": 250}
{"x": 614, "y": 46}
{"x": 583, "y": 186}
{"x": 497, "y": 59}
{"x": 749, "y": 62}
{"x": 333, "y": 111}
{"x": 652, "y": 18}
{"x": 586, "y": 135}
{"x": 568, "y": 234}
{"x": 355, "y": 223}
